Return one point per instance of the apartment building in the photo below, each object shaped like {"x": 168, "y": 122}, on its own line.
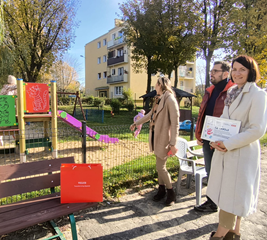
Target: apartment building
{"x": 109, "y": 71}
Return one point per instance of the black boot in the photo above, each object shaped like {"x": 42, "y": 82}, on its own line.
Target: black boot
{"x": 160, "y": 194}
{"x": 171, "y": 197}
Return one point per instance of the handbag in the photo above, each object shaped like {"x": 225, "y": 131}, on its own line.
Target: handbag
{"x": 81, "y": 183}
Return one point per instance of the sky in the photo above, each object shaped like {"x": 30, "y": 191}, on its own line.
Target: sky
{"x": 96, "y": 17}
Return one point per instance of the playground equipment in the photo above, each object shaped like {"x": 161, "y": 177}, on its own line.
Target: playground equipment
{"x": 89, "y": 132}
{"x": 33, "y": 106}
{"x": 77, "y": 99}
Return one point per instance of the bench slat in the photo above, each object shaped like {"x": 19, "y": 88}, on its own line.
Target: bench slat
{"x": 18, "y": 205}
{"x": 29, "y": 184}
{"x": 32, "y": 168}
{"x": 58, "y": 210}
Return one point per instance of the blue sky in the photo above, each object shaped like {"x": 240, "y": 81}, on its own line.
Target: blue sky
{"x": 96, "y": 18}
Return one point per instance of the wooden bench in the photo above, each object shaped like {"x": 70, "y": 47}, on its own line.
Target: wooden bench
{"x": 14, "y": 180}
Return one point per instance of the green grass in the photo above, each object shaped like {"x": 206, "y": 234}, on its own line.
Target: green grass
{"x": 137, "y": 174}
{"x": 122, "y": 118}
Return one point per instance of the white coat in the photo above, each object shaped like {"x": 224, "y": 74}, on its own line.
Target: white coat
{"x": 235, "y": 175}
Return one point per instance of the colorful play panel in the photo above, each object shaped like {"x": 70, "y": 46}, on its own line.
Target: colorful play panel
{"x": 7, "y": 111}
{"x": 37, "y": 97}
{"x": 70, "y": 120}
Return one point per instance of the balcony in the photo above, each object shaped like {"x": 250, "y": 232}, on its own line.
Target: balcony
{"x": 117, "y": 60}
{"x": 117, "y": 79}
{"x": 115, "y": 42}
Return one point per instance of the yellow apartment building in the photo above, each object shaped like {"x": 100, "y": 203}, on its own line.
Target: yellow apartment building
{"x": 109, "y": 71}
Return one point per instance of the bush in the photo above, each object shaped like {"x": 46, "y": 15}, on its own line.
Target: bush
{"x": 99, "y": 101}
{"x": 88, "y": 100}
{"x": 198, "y": 100}
{"x": 66, "y": 101}
{"x": 130, "y": 106}
{"x": 115, "y": 105}
{"x": 107, "y": 101}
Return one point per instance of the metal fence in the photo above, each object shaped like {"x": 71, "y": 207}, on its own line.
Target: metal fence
{"x": 110, "y": 155}
{"x": 91, "y": 115}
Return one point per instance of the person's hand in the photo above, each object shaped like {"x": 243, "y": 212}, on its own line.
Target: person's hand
{"x": 199, "y": 143}
{"x": 132, "y": 127}
{"x": 173, "y": 151}
{"x": 218, "y": 145}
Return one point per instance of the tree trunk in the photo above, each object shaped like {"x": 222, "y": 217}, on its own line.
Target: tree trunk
{"x": 208, "y": 60}
{"x": 207, "y": 82}
{"x": 148, "y": 74}
{"x": 176, "y": 77}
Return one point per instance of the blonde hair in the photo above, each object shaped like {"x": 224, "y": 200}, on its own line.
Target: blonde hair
{"x": 12, "y": 80}
{"x": 165, "y": 84}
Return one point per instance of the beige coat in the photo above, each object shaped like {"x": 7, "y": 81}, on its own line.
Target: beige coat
{"x": 166, "y": 129}
{"x": 235, "y": 175}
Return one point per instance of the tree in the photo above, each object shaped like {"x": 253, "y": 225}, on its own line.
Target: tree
{"x": 215, "y": 28}
{"x": 180, "y": 27}
{"x": 65, "y": 73}
{"x": 1, "y": 21}
{"x": 36, "y": 32}
{"x": 141, "y": 30}
{"x": 6, "y": 64}
{"x": 247, "y": 34}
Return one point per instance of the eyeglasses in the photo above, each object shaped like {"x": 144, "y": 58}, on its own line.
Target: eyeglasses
{"x": 214, "y": 71}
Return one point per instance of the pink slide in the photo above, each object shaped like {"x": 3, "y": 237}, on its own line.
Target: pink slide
{"x": 70, "y": 120}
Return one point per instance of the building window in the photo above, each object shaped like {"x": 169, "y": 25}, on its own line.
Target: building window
{"x": 120, "y": 71}
{"x": 152, "y": 88}
{"x": 120, "y": 52}
{"x": 113, "y": 36}
{"x": 99, "y": 76}
{"x": 111, "y": 54}
{"x": 118, "y": 90}
{"x": 104, "y": 58}
{"x": 99, "y": 60}
{"x": 104, "y": 42}
{"x": 99, "y": 45}
{"x": 104, "y": 74}
{"x": 113, "y": 71}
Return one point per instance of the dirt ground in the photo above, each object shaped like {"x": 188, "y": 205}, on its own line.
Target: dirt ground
{"x": 109, "y": 155}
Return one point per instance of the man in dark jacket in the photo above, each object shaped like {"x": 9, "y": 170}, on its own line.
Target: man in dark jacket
{"x": 212, "y": 105}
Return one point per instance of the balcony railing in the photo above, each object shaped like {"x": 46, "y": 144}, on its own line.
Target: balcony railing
{"x": 118, "y": 59}
{"x": 115, "y": 42}
{"x": 186, "y": 75}
{"x": 117, "y": 79}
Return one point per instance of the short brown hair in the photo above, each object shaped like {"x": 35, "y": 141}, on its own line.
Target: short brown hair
{"x": 251, "y": 64}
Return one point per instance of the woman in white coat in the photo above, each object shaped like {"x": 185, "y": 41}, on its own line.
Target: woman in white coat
{"x": 235, "y": 171}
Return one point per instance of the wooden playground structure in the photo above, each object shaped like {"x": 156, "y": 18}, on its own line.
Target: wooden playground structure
{"x": 32, "y": 106}
{"x": 35, "y": 104}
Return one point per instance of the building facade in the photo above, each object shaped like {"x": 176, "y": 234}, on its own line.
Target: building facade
{"x": 109, "y": 71}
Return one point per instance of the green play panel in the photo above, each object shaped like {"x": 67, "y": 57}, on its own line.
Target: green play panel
{"x": 7, "y": 111}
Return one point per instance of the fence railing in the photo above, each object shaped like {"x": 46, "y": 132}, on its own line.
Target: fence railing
{"x": 110, "y": 155}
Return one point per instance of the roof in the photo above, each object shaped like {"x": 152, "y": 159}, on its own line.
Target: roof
{"x": 178, "y": 92}
{"x": 101, "y": 88}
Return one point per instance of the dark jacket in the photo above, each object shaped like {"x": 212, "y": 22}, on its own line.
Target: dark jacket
{"x": 218, "y": 108}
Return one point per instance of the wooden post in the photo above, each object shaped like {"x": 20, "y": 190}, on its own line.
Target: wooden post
{"x": 22, "y": 142}
{"x": 54, "y": 117}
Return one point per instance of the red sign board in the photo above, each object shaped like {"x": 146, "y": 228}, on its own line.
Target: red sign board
{"x": 37, "y": 97}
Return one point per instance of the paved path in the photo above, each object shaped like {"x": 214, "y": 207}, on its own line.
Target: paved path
{"x": 137, "y": 217}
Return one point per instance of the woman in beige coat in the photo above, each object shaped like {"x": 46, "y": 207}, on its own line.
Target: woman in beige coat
{"x": 235, "y": 170}
{"x": 163, "y": 134}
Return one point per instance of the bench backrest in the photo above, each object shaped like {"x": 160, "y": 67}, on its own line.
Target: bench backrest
{"x": 23, "y": 177}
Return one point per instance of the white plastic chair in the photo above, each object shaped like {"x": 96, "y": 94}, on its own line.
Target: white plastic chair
{"x": 188, "y": 166}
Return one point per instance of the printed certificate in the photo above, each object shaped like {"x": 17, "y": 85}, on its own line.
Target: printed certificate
{"x": 219, "y": 129}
